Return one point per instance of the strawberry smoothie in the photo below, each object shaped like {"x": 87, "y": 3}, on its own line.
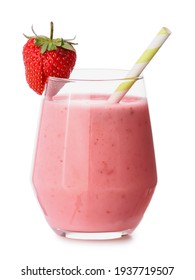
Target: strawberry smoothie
{"x": 94, "y": 167}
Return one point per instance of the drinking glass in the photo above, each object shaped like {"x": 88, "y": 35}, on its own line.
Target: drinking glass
{"x": 94, "y": 168}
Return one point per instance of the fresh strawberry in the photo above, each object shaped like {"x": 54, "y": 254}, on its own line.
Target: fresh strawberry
{"x": 44, "y": 57}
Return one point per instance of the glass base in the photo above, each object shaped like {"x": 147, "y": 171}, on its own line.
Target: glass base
{"x": 93, "y": 235}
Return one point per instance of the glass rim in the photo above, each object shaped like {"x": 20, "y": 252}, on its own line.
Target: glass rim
{"x": 51, "y": 78}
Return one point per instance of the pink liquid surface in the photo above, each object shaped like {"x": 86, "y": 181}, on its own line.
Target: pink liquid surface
{"x": 94, "y": 167}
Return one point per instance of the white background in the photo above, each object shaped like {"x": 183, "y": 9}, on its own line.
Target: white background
{"x": 111, "y": 34}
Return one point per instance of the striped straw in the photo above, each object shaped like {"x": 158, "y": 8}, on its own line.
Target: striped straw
{"x": 140, "y": 64}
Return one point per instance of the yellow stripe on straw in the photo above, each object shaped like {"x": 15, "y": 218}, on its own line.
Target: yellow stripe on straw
{"x": 147, "y": 55}
{"x": 124, "y": 87}
{"x": 164, "y": 30}
{"x": 140, "y": 64}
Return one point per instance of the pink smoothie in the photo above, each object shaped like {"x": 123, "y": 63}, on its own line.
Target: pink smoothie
{"x": 94, "y": 167}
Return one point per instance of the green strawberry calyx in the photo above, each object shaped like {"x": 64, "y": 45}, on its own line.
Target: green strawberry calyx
{"x": 50, "y": 44}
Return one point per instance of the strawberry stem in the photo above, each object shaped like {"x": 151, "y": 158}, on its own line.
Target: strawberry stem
{"x": 51, "y": 30}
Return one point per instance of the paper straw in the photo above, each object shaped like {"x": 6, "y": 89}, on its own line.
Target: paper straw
{"x": 140, "y": 64}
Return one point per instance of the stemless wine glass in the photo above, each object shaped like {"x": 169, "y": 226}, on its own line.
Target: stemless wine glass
{"x": 94, "y": 169}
